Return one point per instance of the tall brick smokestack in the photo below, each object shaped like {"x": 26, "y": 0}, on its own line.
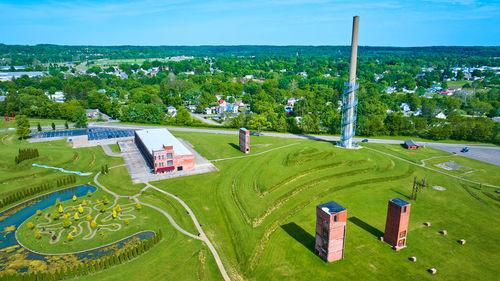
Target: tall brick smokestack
{"x": 349, "y": 100}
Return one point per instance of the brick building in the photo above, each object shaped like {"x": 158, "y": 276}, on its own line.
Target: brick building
{"x": 163, "y": 152}
{"x": 410, "y": 144}
{"x": 396, "y": 225}
{"x": 330, "y": 231}
{"x": 244, "y": 140}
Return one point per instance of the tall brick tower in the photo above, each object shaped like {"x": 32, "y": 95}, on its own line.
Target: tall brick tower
{"x": 244, "y": 140}
{"x": 396, "y": 225}
{"x": 330, "y": 231}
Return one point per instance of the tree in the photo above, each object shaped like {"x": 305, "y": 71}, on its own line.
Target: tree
{"x": 183, "y": 116}
{"x": 93, "y": 224}
{"x": 70, "y": 237}
{"x": 37, "y": 234}
{"x": 39, "y": 127}
{"x": 74, "y": 198}
{"x": 23, "y": 126}
{"x": 138, "y": 206}
{"x": 76, "y": 217}
{"x": 103, "y": 208}
{"x": 114, "y": 212}
{"x": 259, "y": 122}
{"x": 66, "y": 222}
{"x": 66, "y": 125}
{"x": 53, "y": 126}
{"x": 118, "y": 208}
{"x": 89, "y": 193}
{"x": 30, "y": 225}
{"x": 38, "y": 212}
{"x": 60, "y": 209}
{"x": 88, "y": 218}
{"x": 80, "y": 117}
{"x": 55, "y": 215}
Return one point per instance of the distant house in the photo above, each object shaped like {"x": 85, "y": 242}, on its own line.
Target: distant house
{"x": 222, "y": 103}
{"x": 410, "y": 144}
{"x": 249, "y": 77}
{"x": 440, "y": 115}
{"x": 57, "y": 96}
{"x": 445, "y": 93}
{"x": 92, "y": 113}
{"x": 418, "y": 112}
{"x": 207, "y": 110}
{"x": 191, "y": 108}
{"x": 2, "y": 98}
{"x": 405, "y": 107}
{"x": 288, "y": 109}
{"x": 233, "y": 108}
{"x": 172, "y": 111}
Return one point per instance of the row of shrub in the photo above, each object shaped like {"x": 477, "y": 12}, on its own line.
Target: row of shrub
{"x": 19, "y": 195}
{"x": 90, "y": 266}
{"x": 66, "y": 180}
{"x": 25, "y": 154}
{"x": 104, "y": 169}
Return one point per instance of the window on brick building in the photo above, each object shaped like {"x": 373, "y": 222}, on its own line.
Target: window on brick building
{"x": 170, "y": 162}
{"x": 404, "y": 209}
{"x": 402, "y": 234}
{"x": 335, "y": 218}
{"x": 324, "y": 232}
{"x": 169, "y": 155}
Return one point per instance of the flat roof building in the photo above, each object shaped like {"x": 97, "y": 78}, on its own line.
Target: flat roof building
{"x": 330, "y": 231}
{"x": 163, "y": 151}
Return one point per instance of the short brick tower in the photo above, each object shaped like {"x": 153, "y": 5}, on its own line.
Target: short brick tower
{"x": 244, "y": 140}
{"x": 330, "y": 231}
{"x": 396, "y": 225}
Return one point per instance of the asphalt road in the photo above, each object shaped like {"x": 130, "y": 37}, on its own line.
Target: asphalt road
{"x": 488, "y": 154}
{"x": 208, "y": 121}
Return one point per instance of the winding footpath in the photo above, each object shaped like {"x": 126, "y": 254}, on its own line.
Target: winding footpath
{"x": 201, "y": 236}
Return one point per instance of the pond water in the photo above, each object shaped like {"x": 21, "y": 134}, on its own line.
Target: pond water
{"x": 12, "y": 218}
{"x": 62, "y": 170}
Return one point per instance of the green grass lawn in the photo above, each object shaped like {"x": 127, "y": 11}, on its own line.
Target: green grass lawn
{"x": 259, "y": 212}
{"x": 119, "y": 181}
{"x": 114, "y": 147}
{"x": 408, "y": 154}
{"x": 33, "y": 123}
{"x": 55, "y": 153}
{"x": 479, "y": 171}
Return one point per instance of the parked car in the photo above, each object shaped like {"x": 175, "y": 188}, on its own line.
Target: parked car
{"x": 365, "y": 140}
{"x": 465, "y": 149}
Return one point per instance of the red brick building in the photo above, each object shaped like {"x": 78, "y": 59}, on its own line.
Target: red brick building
{"x": 330, "y": 231}
{"x": 244, "y": 140}
{"x": 396, "y": 225}
{"x": 410, "y": 144}
{"x": 163, "y": 152}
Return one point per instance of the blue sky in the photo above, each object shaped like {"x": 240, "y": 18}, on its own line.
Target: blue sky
{"x": 257, "y": 22}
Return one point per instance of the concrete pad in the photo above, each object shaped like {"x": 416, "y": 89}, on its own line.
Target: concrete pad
{"x": 141, "y": 172}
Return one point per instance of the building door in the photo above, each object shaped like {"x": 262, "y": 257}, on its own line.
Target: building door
{"x": 179, "y": 168}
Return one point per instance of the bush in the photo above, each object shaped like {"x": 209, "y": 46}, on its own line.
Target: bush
{"x": 37, "y": 234}
{"x": 66, "y": 222}
{"x": 70, "y": 237}
{"x": 30, "y": 225}
{"x": 138, "y": 206}
{"x": 38, "y": 212}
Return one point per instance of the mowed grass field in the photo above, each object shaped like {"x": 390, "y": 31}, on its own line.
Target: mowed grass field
{"x": 259, "y": 212}
{"x": 33, "y": 123}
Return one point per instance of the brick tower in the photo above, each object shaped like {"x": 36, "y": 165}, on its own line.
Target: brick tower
{"x": 330, "y": 231}
{"x": 396, "y": 225}
{"x": 244, "y": 140}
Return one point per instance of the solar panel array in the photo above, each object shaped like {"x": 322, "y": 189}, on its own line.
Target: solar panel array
{"x": 97, "y": 133}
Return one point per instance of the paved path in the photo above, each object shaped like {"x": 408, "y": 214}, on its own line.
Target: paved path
{"x": 202, "y": 236}
{"x": 208, "y": 121}
{"x": 109, "y": 152}
{"x": 488, "y": 154}
{"x": 243, "y": 156}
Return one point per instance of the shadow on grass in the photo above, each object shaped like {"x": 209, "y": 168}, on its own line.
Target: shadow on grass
{"x": 377, "y": 233}
{"x": 299, "y": 234}
{"x": 402, "y": 194}
{"x": 237, "y": 147}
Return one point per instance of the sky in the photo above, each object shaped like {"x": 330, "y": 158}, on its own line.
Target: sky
{"x": 255, "y": 22}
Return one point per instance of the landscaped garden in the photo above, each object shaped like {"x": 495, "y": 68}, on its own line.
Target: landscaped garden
{"x": 259, "y": 212}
